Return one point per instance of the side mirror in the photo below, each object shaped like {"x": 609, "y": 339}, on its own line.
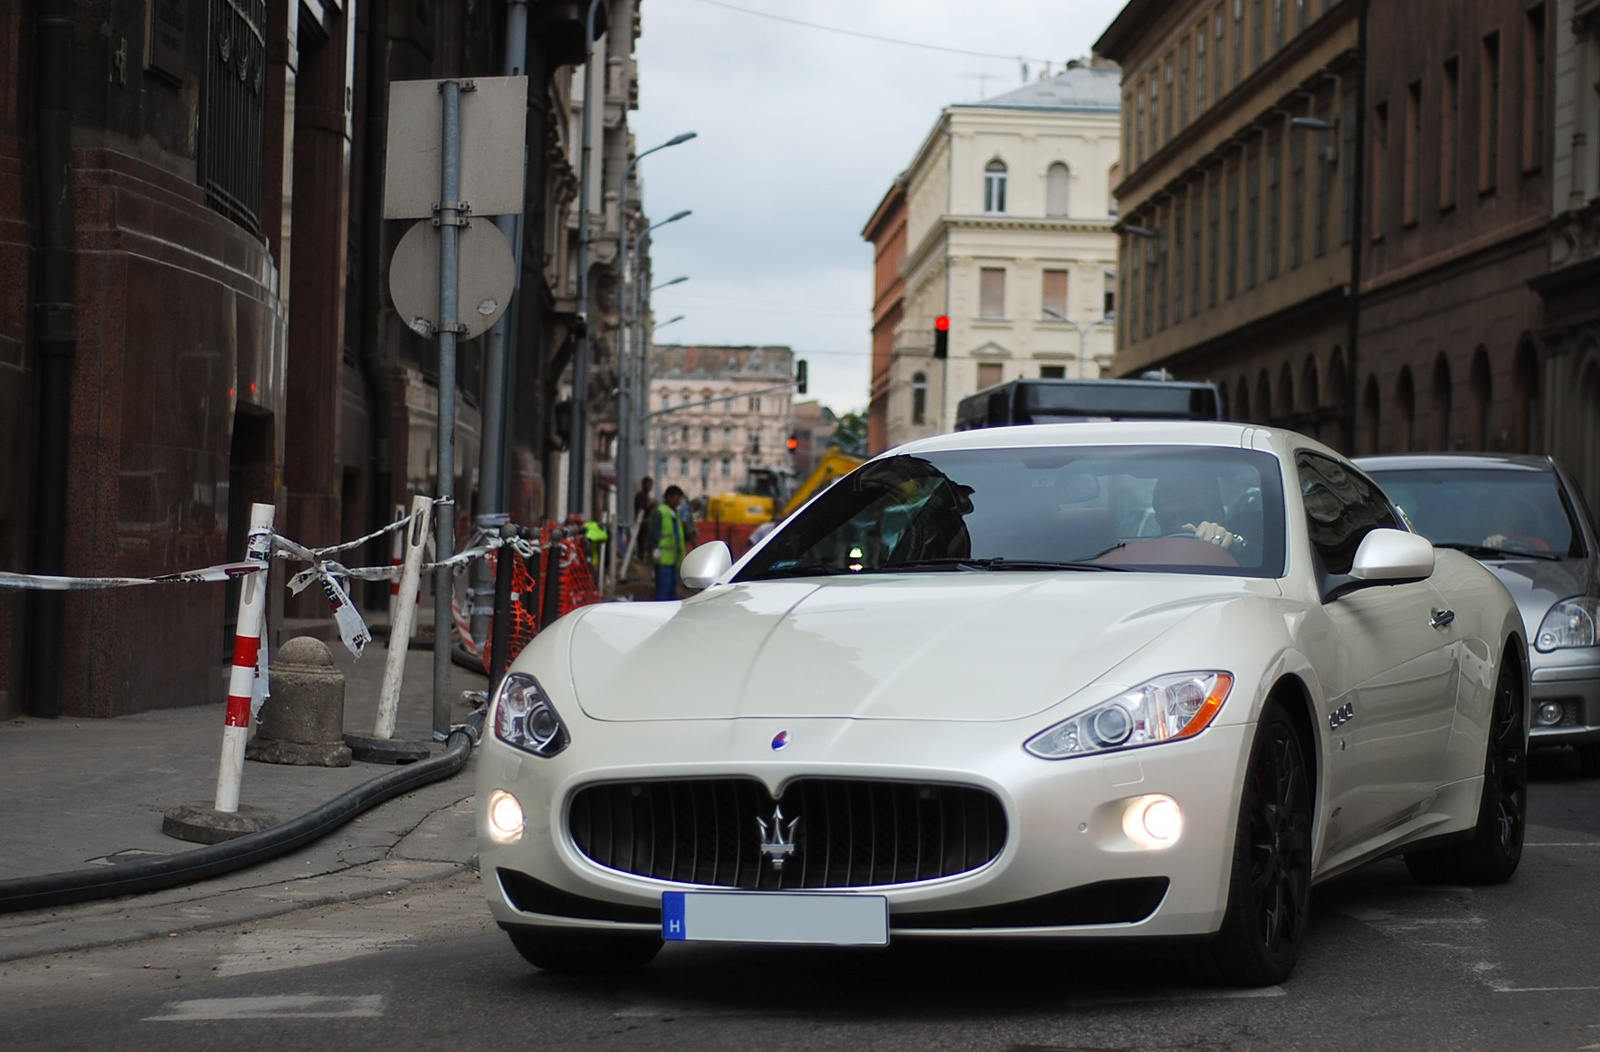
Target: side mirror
{"x": 1393, "y": 555}
{"x": 702, "y": 566}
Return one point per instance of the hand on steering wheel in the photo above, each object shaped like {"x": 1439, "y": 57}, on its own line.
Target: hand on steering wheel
{"x": 1212, "y": 533}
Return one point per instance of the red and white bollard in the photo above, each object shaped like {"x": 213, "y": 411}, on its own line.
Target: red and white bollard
{"x": 246, "y": 653}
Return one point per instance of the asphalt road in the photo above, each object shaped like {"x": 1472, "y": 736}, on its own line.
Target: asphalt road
{"x": 1390, "y": 965}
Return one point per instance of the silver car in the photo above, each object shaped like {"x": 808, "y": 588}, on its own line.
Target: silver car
{"x": 1520, "y": 517}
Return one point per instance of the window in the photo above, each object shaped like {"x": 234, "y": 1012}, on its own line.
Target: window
{"x": 1297, "y": 194}
{"x": 1324, "y": 186}
{"x": 687, "y": 398}
{"x": 988, "y": 374}
{"x": 1183, "y": 84}
{"x": 1274, "y": 204}
{"x": 1347, "y": 170}
{"x": 1057, "y": 189}
{"x": 727, "y": 436}
{"x": 1180, "y": 241}
{"x": 1195, "y": 197}
{"x": 1449, "y": 133}
{"x": 685, "y": 434}
{"x": 1489, "y": 118}
{"x": 919, "y": 398}
{"x": 1380, "y": 162}
{"x": 1052, "y": 372}
{"x": 1300, "y": 7}
{"x": 755, "y": 442}
{"x": 1151, "y": 260}
{"x": 1252, "y": 214}
{"x": 1258, "y": 31}
{"x": 1168, "y": 129}
{"x": 994, "y": 187}
{"x": 1109, "y": 293}
{"x": 1413, "y": 137}
{"x": 1533, "y": 99}
{"x": 727, "y": 467}
{"x": 1341, "y": 509}
{"x": 1133, "y": 251}
{"x": 1232, "y": 264}
{"x": 992, "y": 292}
{"x": 683, "y": 466}
{"x": 1214, "y": 236}
{"x": 705, "y": 467}
{"x": 1238, "y": 42}
{"x": 1055, "y": 294}
{"x": 1200, "y": 70}
{"x": 705, "y": 436}
{"x": 1217, "y": 24}
{"x": 754, "y": 405}
{"x": 1277, "y": 25}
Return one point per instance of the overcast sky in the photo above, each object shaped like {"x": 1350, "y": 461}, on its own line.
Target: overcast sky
{"x": 801, "y": 132}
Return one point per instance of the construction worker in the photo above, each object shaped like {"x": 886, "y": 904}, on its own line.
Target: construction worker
{"x": 669, "y": 543}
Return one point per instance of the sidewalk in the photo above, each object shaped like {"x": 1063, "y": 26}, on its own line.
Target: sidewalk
{"x": 80, "y": 793}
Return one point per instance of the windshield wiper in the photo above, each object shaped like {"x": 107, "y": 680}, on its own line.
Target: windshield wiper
{"x": 808, "y": 570}
{"x": 1483, "y": 551}
{"x": 998, "y": 562}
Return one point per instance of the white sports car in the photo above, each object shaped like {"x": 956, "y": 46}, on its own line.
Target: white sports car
{"x": 1081, "y": 680}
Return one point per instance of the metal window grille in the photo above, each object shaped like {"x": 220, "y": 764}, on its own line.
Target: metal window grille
{"x": 232, "y": 110}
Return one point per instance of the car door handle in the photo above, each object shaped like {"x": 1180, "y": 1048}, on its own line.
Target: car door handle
{"x": 1441, "y": 618}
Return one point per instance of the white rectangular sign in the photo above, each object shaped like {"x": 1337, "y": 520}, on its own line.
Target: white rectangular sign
{"x": 816, "y": 918}
{"x": 494, "y": 122}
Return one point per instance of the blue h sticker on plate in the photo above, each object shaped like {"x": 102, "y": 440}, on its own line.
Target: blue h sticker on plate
{"x": 672, "y": 916}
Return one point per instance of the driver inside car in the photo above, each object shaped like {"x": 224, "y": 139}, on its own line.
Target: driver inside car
{"x": 1187, "y": 504}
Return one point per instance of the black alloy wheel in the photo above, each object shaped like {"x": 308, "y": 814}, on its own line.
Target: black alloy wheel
{"x": 1269, "y": 896}
{"x": 1495, "y": 848}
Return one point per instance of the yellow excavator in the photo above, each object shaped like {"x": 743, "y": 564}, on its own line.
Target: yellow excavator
{"x": 732, "y": 516}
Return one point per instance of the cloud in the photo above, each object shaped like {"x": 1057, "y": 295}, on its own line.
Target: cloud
{"x": 801, "y": 132}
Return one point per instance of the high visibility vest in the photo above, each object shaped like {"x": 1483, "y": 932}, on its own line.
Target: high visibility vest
{"x": 669, "y": 535}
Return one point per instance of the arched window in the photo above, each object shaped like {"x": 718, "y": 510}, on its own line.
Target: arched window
{"x": 1057, "y": 190}
{"x": 1527, "y": 424}
{"x": 1439, "y": 414}
{"x": 994, "y": 187}
{"x": 1285, "y": 401}
{"x": 919, "y": 398}
{"x": 1241, "y": 401}
{"x": 1369, "y": 417}
{"x": 1406, "y": 401}
{"x": 1481, "y": 387}
{"x": 1263, "y": 398}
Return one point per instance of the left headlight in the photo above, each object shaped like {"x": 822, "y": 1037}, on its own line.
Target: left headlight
{"x": 1570, "y": 623}
{"x": 1179, "y": 705}
{"x": 524, "y": 717}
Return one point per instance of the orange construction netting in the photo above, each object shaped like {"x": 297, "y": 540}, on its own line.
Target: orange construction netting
{"x": 576, "y": 583}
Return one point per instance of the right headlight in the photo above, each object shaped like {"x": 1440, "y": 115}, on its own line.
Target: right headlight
{"x": 1179, "y": 705}
{"x": 524, "y": 717}
{"x": 1570, "y": 623}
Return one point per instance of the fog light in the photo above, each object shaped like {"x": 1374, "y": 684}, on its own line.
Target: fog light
{"x": 1153, "y": 822}
{"x": 505, "y": 817}
{"x": 1548, "y": 714}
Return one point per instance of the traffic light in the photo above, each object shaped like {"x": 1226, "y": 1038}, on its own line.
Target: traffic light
{"x": 794, "y": 441}
{"x": 800, "y": 378}
{"x": 941, "y": 336}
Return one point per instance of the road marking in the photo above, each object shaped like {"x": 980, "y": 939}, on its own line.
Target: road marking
{"x": 1499, "y": 989}
{"x": 285, "y": 1006}
{"x": 274, "y": 949}
{"x": 1565, "y": 843}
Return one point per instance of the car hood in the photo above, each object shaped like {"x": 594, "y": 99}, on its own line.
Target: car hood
{"x": 1537, "y": 584}
{"x": 949, "y": 646}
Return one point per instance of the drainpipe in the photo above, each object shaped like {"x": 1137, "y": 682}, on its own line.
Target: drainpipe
{"x": 56, "y": 340}
{"x": 374, "y": 366}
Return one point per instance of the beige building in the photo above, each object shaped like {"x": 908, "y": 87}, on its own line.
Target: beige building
{"x": 715, "y": 415}
{"x": 1009, "y": 234}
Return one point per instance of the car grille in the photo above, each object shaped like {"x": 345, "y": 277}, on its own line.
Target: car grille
{"x": 851, "y": 833}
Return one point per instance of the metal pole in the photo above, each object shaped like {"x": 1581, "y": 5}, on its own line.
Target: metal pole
{"x": 444, "y": 534}
{"x": 576, "y": 466}
{"x": 491, "y": 453}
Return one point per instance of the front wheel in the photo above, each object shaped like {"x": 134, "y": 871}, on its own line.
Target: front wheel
{"x": 1269, "y": 892}
{"x": 1492, "y": 854}
{"x": 584, "y": 952}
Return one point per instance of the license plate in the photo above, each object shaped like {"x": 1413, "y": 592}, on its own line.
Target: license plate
{"x": 775, "y": 917}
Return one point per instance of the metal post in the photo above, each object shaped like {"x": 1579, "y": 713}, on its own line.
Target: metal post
{"x": 577, "y": 468}
{"x": 491, "y": 453}
{"x": 505, "y": 570}
{"x": 449, "y": 218}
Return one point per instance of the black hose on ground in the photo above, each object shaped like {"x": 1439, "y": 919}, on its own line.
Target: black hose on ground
{"x": 83, "y": 885}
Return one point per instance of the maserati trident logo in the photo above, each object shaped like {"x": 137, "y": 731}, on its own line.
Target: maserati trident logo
{"x": 777, "y": 839}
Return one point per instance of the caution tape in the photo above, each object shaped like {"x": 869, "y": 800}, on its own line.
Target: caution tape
{"x": 49, "y": 583}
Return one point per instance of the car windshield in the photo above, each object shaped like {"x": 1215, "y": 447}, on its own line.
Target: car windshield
{"x": 1068, "y": 509}
{"x": 1485, "y": 511}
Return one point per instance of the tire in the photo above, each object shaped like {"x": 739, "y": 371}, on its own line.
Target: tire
{"x": 1269, "y": 888}
{"x": 592, "y": 953}
{"x": 1495, "y": 848}
{"x": 1589, "y": 760}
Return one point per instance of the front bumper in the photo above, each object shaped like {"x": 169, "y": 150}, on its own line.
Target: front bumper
{"x": 1571, "y": 679}
{"x": 1067, "y": 867}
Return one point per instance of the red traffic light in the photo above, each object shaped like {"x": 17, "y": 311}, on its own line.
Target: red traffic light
{"x": 942, "y": 323}
{"x": 794, "y": 443}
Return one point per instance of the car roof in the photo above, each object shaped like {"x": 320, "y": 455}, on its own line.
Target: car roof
{"x": 1454, "y": 461}
{"x": 1098, "y": 433}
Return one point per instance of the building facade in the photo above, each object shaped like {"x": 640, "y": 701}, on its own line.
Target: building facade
{"x": 194, "y": 307}
{"x": 887, "y": 232}
{"x": 1571, "y": 322}
{"x": 1404, "y": 151}
{"x": 1008, "y": 233}
{"x": 715, "y": 416}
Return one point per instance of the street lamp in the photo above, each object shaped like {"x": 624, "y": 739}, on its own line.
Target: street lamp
{"x": 1082, "y": 329}
{"x": 1311, "y": 123}
{"x": 1138, "y": 231}
{"x": 669, "y": 321}
{"x": 674, "y": 281}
